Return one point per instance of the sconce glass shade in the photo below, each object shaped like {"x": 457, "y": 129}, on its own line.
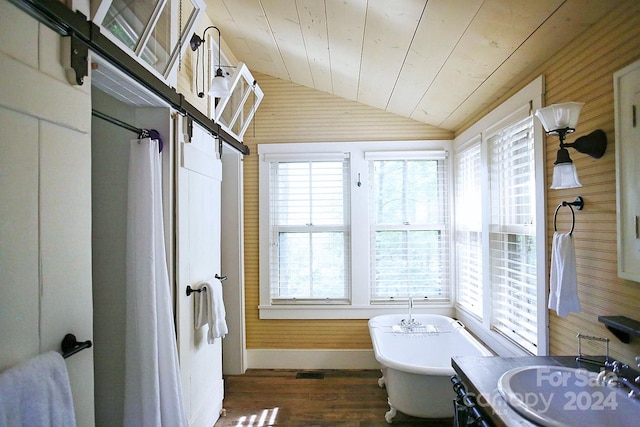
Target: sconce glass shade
{"x": 559, "y": 116}
{"x": 219, "y": 86}
{"x": 565, "y": 174}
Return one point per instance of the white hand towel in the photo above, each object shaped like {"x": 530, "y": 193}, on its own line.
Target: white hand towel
{"x": 563, "y": 283}
{"x": 210, "y": 309}
{"x": 37, "y": 393}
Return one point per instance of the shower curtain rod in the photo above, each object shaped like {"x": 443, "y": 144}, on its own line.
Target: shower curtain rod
{"x": 120, "y": 123}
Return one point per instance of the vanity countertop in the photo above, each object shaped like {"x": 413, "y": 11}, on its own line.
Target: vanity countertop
{"x": 481, "y": 374}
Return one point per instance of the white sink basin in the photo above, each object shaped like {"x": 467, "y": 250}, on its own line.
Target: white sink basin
{"x": 560, "y": 396}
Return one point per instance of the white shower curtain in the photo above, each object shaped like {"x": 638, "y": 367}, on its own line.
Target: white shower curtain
{"x": 152, "y": 394}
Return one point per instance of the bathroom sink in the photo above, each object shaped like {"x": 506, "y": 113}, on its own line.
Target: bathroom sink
{"x": 561, "y": 396}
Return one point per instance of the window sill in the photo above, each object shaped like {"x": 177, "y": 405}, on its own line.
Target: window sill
{"x": 496, "y": 342}
{"x": 346, "y": 312}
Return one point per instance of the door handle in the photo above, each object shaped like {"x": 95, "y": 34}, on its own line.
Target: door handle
{"x": 221, "y": 278}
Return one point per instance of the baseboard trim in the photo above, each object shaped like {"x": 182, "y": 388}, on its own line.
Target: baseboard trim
{"x": 311, "y": 359}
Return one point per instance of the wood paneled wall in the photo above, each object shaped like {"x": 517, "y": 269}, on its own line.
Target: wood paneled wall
{"x": 583, "y": 72}
{"x": 291, "y": 113}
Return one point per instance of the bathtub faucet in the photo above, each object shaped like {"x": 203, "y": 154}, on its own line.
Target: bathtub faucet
{"x": 410, "y": 323}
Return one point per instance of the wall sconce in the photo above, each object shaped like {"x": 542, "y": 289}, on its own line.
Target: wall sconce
{"x": 219, "y": 87}
{"x": 561, "y": 119}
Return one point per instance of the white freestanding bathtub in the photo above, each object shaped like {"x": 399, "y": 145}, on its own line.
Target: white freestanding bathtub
{"x": 416, "y": 362}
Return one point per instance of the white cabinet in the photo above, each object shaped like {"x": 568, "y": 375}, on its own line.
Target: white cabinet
{"x": 627, "y": 117}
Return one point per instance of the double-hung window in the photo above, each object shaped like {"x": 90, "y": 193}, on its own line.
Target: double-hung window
{"x": 512, "y": 234}
{"x": 309, "y": 228}
{"x": 352, "y": 230}
{"x": 468, "y": 235}
{"x": 500, "y": 229}
{"x": 408, "y": 213}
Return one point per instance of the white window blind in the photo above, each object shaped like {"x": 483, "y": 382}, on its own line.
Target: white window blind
{"x": 310, "y": 239}
{"x": 512, "y": 240}
{"x": 408, "y": 214}
{"x": 468, "y": 238}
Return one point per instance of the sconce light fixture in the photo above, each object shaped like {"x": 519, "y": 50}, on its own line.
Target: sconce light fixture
{"x": 561, "y": 119}
{"x": 219, "y": 87}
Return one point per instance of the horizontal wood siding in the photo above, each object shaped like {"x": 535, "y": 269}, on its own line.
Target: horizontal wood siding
{"x": 583, "y": 72}
{"x": 292, "y": 113}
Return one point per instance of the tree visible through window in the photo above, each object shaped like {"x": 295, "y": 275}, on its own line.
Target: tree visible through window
{"x": 349, "y": 230}
{"x": 310, "y": 239}
{"x": 408, "y": 216}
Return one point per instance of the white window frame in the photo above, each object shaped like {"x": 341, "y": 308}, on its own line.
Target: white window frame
{"x": 247, "y": 101}
{"x": 179, "y": 42}
{"x": 531, "y": 95}
{"x": 465, "y": 200}
{"x": 360, "y": 306}
{"x": 442, "y": 225}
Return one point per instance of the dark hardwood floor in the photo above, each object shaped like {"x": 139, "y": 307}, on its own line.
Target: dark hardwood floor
{"x": 342, "y": 398}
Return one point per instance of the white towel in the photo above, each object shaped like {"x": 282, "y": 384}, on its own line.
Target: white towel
{"x": 37, "y": 393}
{"x": 563, "y": 283}
{"x": 210, "y": 309}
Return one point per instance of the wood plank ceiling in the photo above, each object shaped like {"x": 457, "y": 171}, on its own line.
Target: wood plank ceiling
{"x": 437, "y": 61}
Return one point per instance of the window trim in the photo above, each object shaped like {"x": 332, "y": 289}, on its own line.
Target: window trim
{"x": 531, "y": 94}
{"x": 360, "y": 307}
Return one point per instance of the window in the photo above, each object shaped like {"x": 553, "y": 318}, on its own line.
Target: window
{"x": 309, "y": 256}
{"x": 500, "y": 245}
{"x": 235, "y": 112}
{"x": 409, "y": 227}
{"x": 512, "y": 239}
{"x": 148, "y": 30}
{"x": 349, "y": 230}
{"x": 468, "y": 236}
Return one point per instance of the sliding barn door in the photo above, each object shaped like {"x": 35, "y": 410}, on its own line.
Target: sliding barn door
{"x": 198, "y": 258}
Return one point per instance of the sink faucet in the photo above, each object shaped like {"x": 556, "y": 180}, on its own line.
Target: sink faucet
{"x": 410, "y": 323}
{"x": 621, "y": 380}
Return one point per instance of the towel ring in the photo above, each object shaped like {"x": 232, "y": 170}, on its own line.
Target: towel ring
{"x": 578, "y": 203}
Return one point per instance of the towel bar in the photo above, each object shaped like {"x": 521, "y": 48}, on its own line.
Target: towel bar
{"x": 190, "y": 290}
{"x": 71, "y": 346}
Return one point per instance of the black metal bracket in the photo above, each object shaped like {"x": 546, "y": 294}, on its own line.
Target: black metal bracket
{"x": 621, "y": 326}
{"x": 190, "y": 290}
{"x": 189, "y": 128}
{"x": 71, "y": 346}
{"x": 79, "y": 59}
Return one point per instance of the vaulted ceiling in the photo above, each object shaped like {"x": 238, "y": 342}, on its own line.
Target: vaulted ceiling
{"x": 437, "y": 61}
